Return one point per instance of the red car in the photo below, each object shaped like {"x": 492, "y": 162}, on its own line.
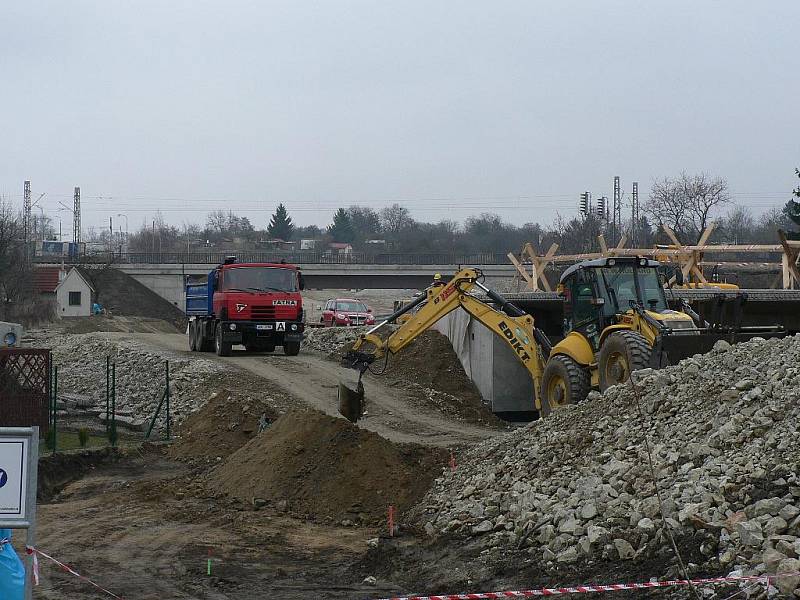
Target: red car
{"x": 342, "y": 312}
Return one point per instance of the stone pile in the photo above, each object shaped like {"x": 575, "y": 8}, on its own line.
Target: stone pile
{"x": 330, "y": 340}
{"x": 577, "y": 487}
{"x": 140, "y": 373}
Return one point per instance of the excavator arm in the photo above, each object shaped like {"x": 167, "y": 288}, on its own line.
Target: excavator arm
{"x": 512, "y": 325}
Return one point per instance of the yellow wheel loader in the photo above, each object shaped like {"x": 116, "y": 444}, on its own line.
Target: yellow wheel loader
{"x": 616, "y": 321}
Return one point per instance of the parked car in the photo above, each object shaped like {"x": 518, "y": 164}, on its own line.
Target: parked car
{"x": 341, "y": 312}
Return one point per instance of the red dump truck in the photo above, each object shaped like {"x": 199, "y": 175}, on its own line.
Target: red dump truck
{"x": 257, "y": 305}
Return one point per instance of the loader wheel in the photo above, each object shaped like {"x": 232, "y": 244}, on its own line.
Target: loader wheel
{"x": 622, "y": 353}
{"x": 563, "y": 382}
{"x": 220, "y": 347}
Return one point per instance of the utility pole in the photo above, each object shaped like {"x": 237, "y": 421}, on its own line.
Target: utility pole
{"x": 76, "y": 219}
{"x": 26, "y": 220}
{"x": 635, "y": 214}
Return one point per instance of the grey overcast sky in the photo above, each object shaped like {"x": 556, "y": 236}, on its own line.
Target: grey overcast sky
{"x": 450, "y": 108}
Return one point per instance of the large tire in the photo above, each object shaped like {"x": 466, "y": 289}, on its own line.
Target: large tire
{"x": 192, "y": 334}
{"x": 563, "y": 382}
{"x": 220, "y": 347}
{"x": 291, "y": 348}
{"x": 621, "y": 353}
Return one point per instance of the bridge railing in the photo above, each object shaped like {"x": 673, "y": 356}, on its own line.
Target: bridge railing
{"x": 300, "y": 258}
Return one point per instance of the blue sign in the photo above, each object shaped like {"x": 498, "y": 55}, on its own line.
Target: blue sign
{"x": 3, "y": 478}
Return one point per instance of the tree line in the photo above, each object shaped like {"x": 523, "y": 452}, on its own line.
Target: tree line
{"x": 686, "y": 203}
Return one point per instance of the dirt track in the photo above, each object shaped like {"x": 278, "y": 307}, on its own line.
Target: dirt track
{"x": 392, "y": 412}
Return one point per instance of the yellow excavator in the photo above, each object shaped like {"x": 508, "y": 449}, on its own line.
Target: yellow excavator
{"x": 616, "y": 321}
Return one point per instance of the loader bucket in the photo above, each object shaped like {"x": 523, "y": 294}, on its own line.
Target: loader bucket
{"x": 351, "y": 401}
{"x": 670, "y": 349}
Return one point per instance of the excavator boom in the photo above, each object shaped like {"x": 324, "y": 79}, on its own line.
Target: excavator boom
{"x": 511, "y": 324}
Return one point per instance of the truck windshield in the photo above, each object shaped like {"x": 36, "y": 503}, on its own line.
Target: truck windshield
{"x": 266, "y": 279}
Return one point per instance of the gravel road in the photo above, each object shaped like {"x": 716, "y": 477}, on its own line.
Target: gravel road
{"x": 313, "y": 379}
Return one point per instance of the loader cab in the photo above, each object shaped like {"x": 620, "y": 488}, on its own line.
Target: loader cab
{"x": 596, "y": 292}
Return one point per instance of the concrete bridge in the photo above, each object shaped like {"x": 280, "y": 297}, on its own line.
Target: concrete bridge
{"x": 168, "y": 279}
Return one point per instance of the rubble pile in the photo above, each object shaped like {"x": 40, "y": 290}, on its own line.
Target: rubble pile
{"x": 331, "y": 340}
{"x": 577, "y": 487}
{"x": 140, "y": 374}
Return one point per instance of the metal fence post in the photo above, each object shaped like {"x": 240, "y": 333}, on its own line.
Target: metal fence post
{"x": 113, "y": 404}
{"x": 55, "y": 411}
{"x": 166, "y": 392}
{"x": 108, "y": 392}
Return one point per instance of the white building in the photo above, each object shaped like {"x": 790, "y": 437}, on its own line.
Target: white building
{"x": 74, "y": 295}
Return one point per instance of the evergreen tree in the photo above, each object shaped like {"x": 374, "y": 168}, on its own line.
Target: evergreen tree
{"x": 341, "y": 230}
{"x": 792, "y": 208}
{"x": 280, "y": 224}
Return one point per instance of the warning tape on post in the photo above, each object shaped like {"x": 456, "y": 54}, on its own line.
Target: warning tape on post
{"x": 613, "y": 587}
{"x": 35, "y": 552}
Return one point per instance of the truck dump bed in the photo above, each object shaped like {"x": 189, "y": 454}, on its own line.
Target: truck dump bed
{"x": 198, "y": 300}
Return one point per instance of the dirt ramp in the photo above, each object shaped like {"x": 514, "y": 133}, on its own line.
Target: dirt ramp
{"x": 327, "y": 468}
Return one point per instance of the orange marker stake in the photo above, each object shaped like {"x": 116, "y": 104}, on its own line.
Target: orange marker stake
{"x": 452, "y": 461}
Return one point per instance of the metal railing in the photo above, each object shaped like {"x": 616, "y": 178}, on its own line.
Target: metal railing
{"x": 300, "y": 258}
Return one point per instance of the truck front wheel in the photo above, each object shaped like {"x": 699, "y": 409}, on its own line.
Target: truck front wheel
{"x": 291, "y": 348}
{"x": 220, "y": 347}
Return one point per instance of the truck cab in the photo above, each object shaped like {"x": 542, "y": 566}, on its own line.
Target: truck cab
{"x": 257, "y": 305}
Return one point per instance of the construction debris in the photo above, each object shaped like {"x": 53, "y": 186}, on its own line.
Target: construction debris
{"x": 139, "y": 371}
{"x": 721, "y": 431}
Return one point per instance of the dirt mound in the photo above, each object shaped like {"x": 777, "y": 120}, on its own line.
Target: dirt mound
{"x": 225, "y": 423}
{"x": 430, "y": 366}
{"x": 122, "y": 295}
{"x": 111, "y": 322}
{"x": 327, "y": 468}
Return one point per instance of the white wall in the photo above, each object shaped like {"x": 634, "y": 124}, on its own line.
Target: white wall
{"x": 169, "y": 287}
{"x": 74, "y": 283}
{"x": 488, "y": 361}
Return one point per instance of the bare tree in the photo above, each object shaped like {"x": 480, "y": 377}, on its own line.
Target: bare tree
{"x": 738, "y": 226}
{"x": 703, "y": 195}
{"x": 685, "y": 203}
{"x": 13, "y": 266}
{"x": 395, "y": 218}
{"x": 667, "y": 204}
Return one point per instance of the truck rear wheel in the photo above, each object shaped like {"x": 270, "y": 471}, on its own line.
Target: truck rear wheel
{"x": 620, "y": 354}
{"x": 291, "y": 348}
{"x": 192, "y": 333}
{"x": 563, "y": 382}
{"x": 221, "y": 347}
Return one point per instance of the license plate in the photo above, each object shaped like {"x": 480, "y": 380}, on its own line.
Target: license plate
{"x": 263, "y": 327}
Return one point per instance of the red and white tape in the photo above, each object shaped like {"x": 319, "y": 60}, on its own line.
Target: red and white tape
{"x": 582, "y": 589}
{"x": 35, "y": 552}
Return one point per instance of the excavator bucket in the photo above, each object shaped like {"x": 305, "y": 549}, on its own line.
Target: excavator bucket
{"x": 351, "y": 401}
{"x": 670, "y": 349}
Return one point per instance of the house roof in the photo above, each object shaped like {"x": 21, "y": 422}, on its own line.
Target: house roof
{"x": 46, "y": 279}
{"x": 77, "y": 274}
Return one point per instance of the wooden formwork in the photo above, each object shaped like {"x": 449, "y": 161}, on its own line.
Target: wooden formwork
{"x": 689, "y": 257}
